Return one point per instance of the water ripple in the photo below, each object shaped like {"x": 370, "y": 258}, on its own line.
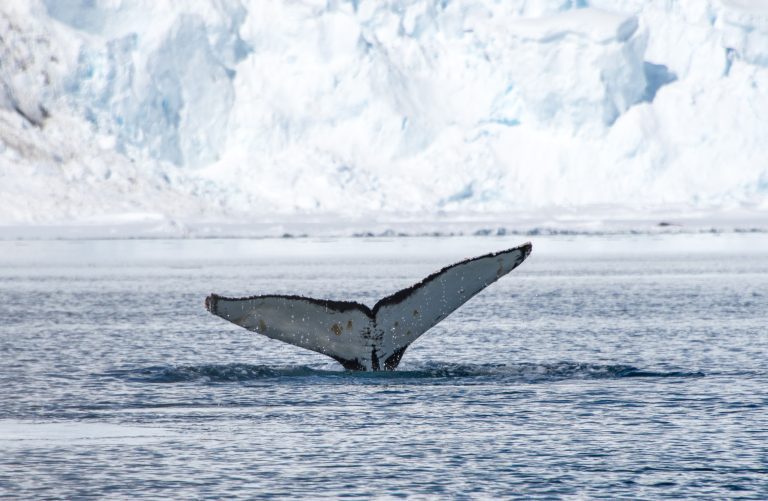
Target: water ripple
{"x": 523, "y": 372}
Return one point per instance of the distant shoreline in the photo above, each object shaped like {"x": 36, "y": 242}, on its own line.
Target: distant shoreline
{"x": 144, "y": 226}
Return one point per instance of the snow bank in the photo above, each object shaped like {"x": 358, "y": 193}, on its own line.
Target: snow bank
{"x": 265, "y": 111}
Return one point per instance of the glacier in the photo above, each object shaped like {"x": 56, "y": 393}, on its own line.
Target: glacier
{"x": 182, "y": 117}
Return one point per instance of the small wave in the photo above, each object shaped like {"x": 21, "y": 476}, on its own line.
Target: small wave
{"x": 524, "y": 372}
{"x": 546, "y": 371}
{"x": 658, "y": 374}
{"x": 212, "y": 373}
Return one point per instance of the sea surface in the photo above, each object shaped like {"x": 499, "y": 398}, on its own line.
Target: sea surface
{"x": 603, "y": 367}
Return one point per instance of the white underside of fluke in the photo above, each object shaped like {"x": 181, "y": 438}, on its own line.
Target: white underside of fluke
{"x": 361, "y": 338}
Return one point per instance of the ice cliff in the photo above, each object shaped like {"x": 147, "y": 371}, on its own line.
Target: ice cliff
{"x": 260, "y": 110}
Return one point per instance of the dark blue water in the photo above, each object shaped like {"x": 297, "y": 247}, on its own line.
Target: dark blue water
{"x": 603, "y": 367}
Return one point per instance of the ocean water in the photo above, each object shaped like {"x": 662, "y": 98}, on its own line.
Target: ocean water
{"x": 615, "y": 367}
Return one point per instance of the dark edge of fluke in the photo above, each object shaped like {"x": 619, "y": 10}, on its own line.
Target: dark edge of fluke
{"x": 404, "y": 293}
{"x": 331, "y": 304}
{"x": 342, "y": 306}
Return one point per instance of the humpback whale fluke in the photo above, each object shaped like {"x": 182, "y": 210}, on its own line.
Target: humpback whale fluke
{"x": 363, "y": 338}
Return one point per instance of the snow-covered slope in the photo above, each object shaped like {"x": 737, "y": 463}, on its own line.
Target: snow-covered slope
{"x": 262, "y": 110}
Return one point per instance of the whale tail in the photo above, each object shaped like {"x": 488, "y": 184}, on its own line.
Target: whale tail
{"x": 363, "y": 338}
